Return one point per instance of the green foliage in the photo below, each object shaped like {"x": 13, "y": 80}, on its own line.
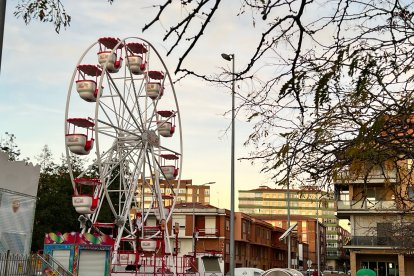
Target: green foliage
{"x": 9, "y": 146}
{"x": 322, "y": 86}
{"x": 51, "y": 11}
{"x": 54, "y": 210}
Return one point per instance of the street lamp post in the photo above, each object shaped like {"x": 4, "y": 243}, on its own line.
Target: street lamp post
{"x": 194, "y": 232}
{"x": 2, "y": 20}
{"x": 318, "y": 241}
{"x": 230, "y": 57}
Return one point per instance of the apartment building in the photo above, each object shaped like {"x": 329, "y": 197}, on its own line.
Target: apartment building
{"x": 186, "y": 192}
{"x": 265, "y": 203}
{"x": 306, "y": 232}
{"x": 378, "y": 204}
{"x": 256, "y": 242}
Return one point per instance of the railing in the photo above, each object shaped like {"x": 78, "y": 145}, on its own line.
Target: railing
{"x": 208, "y": 232}
{"x": 366, "y": 205}
{"x": 375, "y": 176}
{"x": 126, "y": 263}
{"x": 31, "y": 265}
{"x": 54, "y": 265}
{"x": 375, "y": 241}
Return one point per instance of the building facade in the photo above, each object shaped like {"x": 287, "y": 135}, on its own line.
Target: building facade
{"x": 379, "y": 208}
{"x": 266, "y": 203}
{"x": 206, "y": 229}
{"x": 185, "y": 193}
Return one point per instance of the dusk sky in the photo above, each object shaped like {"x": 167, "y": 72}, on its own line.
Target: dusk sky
{"x": 38, "y": 63}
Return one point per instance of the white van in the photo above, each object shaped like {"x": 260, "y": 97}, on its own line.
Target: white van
{"x": 247, "y": 271}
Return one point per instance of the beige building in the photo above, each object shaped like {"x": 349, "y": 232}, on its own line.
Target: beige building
{"x": 380, "y": 223}
{"x": 306, "y": 205}
{"x": 257, "y": 242}
{"x": 186, "y": 193}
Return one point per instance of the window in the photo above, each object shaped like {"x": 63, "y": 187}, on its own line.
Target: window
{"x": 207, "y": 191}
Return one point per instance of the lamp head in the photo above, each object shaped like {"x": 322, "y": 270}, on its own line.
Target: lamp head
{"x": 227, "y": 57}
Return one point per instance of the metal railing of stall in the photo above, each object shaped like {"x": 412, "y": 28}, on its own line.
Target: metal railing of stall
{"x": 12, "y": 264}
{"x": 50, "y": 262}
{"x": 148, "y": 265}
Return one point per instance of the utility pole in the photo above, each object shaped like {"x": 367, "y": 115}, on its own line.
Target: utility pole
{"x": 2, "y": 20}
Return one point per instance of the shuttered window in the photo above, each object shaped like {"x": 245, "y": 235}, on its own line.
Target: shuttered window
{"x": 92, "y": 263}
{"x": 62, "y": 257}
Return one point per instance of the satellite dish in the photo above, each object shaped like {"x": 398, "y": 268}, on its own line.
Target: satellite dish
{"x": 287, "y": 232}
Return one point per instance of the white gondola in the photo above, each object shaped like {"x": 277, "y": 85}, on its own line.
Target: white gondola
{"x": 79, "y": 143}
{"x": 170, "y": 172}
{"x": 112, "y": 60}
{"x": 135, "y": 59}
{"x": 154, "y": 88}
{"x": 166, "y": 126}
{"x": 86, "y": 203}
{"x": 148, "y": 245}
{"x": 83, "y": 204}
{"x": 87, "y": 88}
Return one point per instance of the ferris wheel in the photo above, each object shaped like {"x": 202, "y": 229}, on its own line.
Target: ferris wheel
{"x": 122, "y": 120}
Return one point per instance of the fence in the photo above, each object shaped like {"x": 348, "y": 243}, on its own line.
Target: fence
{"x": 30, "y": 265}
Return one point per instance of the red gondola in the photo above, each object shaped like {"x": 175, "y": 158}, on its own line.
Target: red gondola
{"x": 170, "y": 172}
{"x": 154, "y": 88}
{"x": 113, "y": 62}
{"x": 166, "y": 126}
{"x": 86, "y": 202}
{"x": 87, "y": 88}
{"x": 80, "y": 143}
{"x": 136, "y": 58}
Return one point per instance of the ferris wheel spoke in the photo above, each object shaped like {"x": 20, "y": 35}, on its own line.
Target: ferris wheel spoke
{"x": 137, "y": 137}
{"x": 123, "y": 100}
{"x": 105, "y": 108}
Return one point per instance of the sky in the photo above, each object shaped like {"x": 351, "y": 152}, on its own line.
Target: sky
{"x": 38, "y": 63}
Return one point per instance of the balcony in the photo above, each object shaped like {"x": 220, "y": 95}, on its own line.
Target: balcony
{"x": 367, "y": 205}
{"x": 208, "y": 232}
{"x": 374, "y": 176}
{"x": 375, "y": 241}
{"x": 345, "y": 208}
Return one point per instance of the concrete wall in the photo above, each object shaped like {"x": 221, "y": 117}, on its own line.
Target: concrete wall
{"x": 18, "y": 176}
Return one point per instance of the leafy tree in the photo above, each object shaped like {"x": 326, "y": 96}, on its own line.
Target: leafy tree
{"x": 9, "y": 146}
{"x": 54, "y": 210}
